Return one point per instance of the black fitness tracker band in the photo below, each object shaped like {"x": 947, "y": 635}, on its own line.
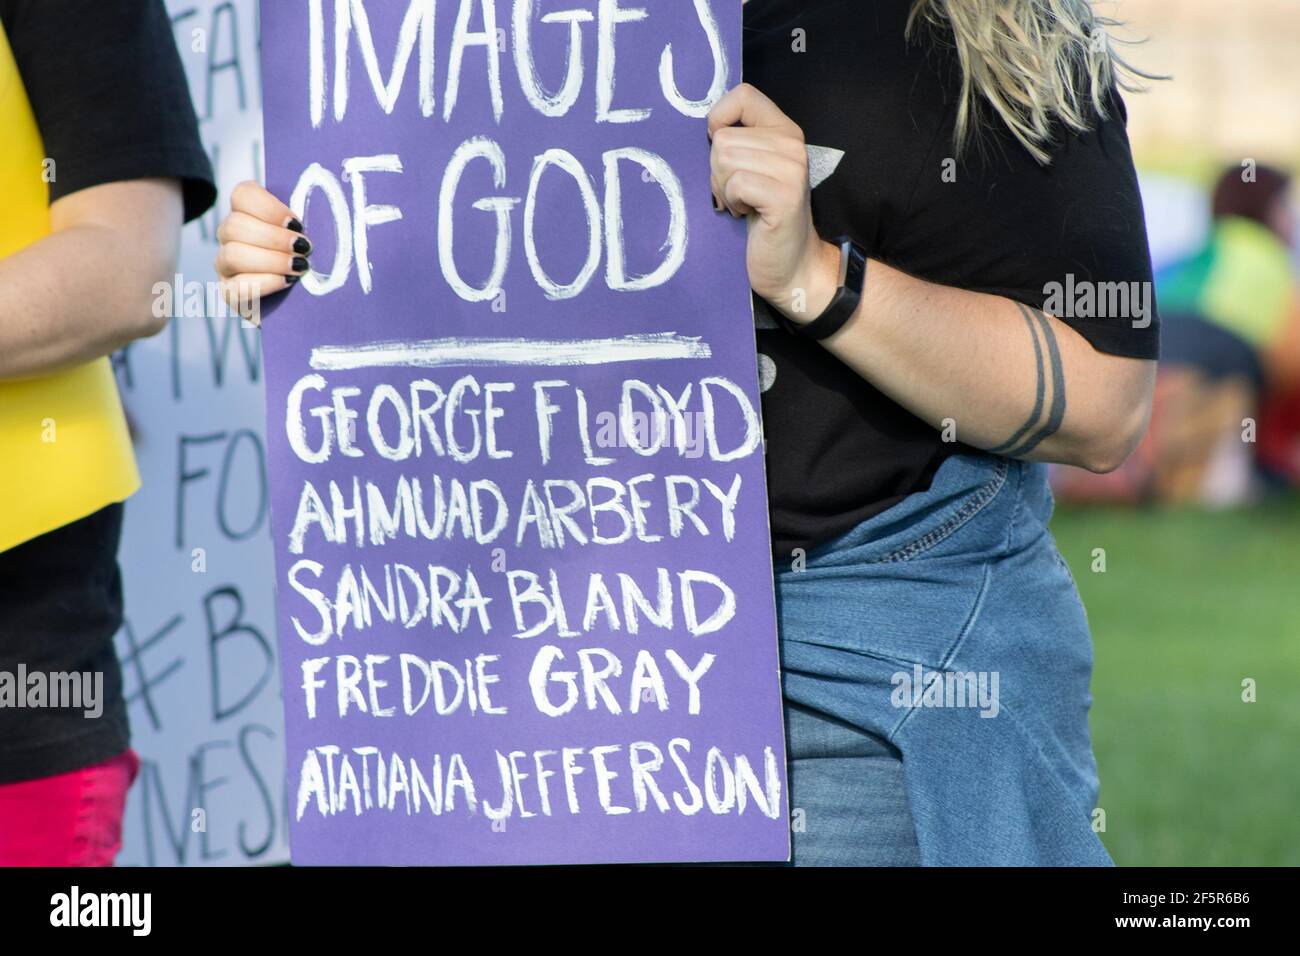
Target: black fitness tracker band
{"x": 853, "y": 277}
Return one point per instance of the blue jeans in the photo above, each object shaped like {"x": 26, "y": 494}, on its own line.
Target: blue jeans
{"x": 935, "y": 663}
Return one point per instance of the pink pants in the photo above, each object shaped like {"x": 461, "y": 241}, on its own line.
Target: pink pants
{"x": 72, "y": 819}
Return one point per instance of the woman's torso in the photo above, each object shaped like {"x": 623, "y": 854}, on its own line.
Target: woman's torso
{"x": 878, "y": 113}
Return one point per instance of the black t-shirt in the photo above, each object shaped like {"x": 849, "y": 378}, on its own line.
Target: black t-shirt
{"x": 111, "y": 101}
{"x": 878, "y": 112}
{"x": 109, "y": 94}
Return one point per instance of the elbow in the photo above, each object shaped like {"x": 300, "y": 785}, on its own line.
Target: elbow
{"x": 138, "y": 288}
{"x": 147, "y": 328}
{"x": 1119, "y": 420}
{"x": 1110, "y": 447}
{"x": 126, "y": 237}
{"x": 1105, "y": 460}
{"x": 165, "y": 288}
{"x": 148, "y": 314}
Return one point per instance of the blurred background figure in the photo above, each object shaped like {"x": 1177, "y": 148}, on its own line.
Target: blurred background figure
{"x": 1231, "y": 348}
{"x": 1226, "y": 419}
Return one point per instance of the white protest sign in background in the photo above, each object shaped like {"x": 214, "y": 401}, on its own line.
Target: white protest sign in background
{"x": 198, "y": 644}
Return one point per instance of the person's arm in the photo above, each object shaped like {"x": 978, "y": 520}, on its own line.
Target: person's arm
{"x": 1011, "y": 379}
{"x": 86, "y": 289}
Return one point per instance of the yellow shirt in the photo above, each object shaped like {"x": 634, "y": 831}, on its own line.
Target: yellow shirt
{"x": 65, "y": 451}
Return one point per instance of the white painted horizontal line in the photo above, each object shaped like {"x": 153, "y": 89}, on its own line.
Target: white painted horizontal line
{"x": 443, "y": 353}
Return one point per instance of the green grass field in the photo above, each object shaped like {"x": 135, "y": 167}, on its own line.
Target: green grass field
{"x": 1192, "y": 603}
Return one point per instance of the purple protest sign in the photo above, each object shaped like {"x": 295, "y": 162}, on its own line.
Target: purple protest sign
{"x": 524, "y": 580}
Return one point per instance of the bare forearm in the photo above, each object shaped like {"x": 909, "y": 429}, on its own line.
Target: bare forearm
{"x": 990, "y": 372}
{"x": 86, "y": 289}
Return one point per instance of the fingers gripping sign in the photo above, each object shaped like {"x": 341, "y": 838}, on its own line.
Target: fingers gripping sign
{"x": 748, "y": 120}
{"x": 759, "y": 170}
{"x": 263, "y": 249}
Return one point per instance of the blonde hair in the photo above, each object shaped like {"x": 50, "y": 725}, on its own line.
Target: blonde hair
{"x": 1032, "y": 62}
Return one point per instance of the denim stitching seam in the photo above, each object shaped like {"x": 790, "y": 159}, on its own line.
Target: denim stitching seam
{"x": 976, "y": 610}
{"x": 967, "y": 510}
{"x": 1015, "y": 511}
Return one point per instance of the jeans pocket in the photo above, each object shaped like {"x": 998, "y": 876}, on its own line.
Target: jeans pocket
{"x": 964, "y": 487}
{"x": 961, "y": 515}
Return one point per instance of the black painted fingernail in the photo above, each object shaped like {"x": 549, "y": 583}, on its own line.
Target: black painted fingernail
{"x": 302, "y": 246}
{"x": 294, "y": 226}
{"x": 290, "y": 280}
{"x": 300, "y": 264}
{"x": 714, "y": 199}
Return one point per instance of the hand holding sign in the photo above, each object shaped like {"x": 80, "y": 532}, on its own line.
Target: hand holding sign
{"x": 263, "y": 250}
{"x": 760, "y": 170}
